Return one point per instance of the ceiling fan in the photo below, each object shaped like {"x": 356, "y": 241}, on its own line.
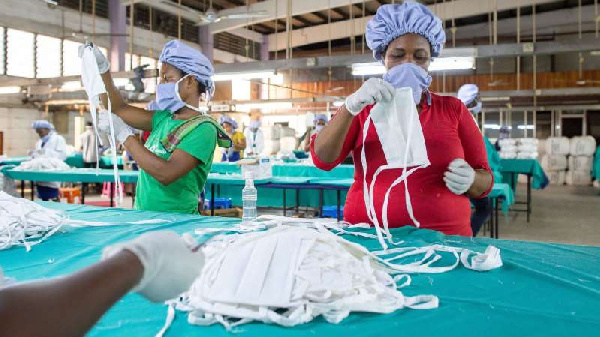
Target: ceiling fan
{"x": 212, "y": 16}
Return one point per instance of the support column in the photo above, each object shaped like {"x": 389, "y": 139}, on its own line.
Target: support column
{"x": 206, "y": 42}
{"x": 264, "y": 48}
{"x": 118, "y": 44}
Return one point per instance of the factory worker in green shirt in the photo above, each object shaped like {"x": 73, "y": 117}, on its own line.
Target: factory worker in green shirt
{"x": 177, "y": 156}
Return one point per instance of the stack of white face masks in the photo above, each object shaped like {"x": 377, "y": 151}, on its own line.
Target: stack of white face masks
{"x": 298, "y": 269}
{"x": 43, "y": 164}
{"x": 401, "y": 136}
{"x": 94, "y": 87}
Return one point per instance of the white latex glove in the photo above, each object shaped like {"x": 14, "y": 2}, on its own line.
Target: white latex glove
{"x": 170, "y": 265}
{"x": 374, "y": 90}
{"x": 122, "y": 130}
{"x": 101, "y": 61}
{"x": 459, "y": 177}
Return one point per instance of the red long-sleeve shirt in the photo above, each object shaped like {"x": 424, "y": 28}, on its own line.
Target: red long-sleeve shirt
{"x": 450, "y": 132}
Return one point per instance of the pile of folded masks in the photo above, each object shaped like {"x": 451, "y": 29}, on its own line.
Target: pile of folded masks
{"x": 43, "y": 164}
{"x": 290, "y": 271}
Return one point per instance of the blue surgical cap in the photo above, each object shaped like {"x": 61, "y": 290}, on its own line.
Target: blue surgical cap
{"x": 190, "y": 61}
{"x": 467, "y": 93}
{"x": 393, "y": 21}
{"x": 321, "y": 117}
{"x": 42, "y": 124}
{"x": 227, "y": 119}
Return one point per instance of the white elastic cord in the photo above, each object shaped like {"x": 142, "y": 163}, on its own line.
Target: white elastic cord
{"x": 113, "y": 146}
{"x": 179, "y": 97}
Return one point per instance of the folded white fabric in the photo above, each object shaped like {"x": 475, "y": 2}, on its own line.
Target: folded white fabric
{"x": 298, "y": 269}
{"x": 581, "y": 163}
{"x": 582, "y": 146}
{"x": 43, "y": 164}
{"x": 554, "y": 162}
{"x": 508, "y": 155}
{"x": 558, "y": 145}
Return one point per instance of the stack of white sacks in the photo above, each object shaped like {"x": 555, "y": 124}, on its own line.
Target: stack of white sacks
{"x": 522, "y": 148}
{"x": 287, "y": 142}
{"x": 575, "y": 154}
{"x": 581, "y": 160}
{"x": 272, "y": 135}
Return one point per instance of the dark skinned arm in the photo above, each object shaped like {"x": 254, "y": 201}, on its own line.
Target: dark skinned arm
{"x": 165, "y": 171}
{"x": 68, "y": 306}
{"x": 481, "y": 183}
{"x": 136, "y": 117}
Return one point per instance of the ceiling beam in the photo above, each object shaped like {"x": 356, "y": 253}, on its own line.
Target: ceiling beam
{"x": 446, "y": 11}
{"x": 298, "y": 8}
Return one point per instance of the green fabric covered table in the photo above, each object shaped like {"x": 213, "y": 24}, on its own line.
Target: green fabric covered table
{"x": 510, "y": 168}
{"x": 291, "y": 170}
{"x": 76, "y": 160}
{"x": 73, "y": 176}
{"x": 504, "y": 191}
{"x": 542, "y": 289}
{"x": 13, "y": 160}
{"x": 596, "y": 167}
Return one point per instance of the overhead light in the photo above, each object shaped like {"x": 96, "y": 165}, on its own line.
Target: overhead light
{"x": 71, "y": 86}
{"x": 338, "y": 104}
{"x": 10, "y": 90}
{"x": 595, "y": 53}
{"x": 494, "y": 126}
{"x": 437, "y": 64}
{"x": 244, "y": 76}
{"x": 525, "y": 127}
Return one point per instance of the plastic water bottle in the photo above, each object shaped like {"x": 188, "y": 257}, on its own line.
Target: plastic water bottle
{"x": 249, "y": 198}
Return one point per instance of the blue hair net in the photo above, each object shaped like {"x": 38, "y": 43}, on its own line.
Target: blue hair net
{"x": 227, "y": 119}
{"x": 42, "y": 124}
{"x": 393, "y": 21}
{"x": 321, "y": 117}
{"x": 190, "y": 61}
{"x": 467, "y": 93}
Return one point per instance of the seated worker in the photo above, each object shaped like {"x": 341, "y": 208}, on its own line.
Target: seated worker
{"x": 318, "y": 124}
{"x": 469, "y": 95}
{"x": 71, "y": 305}
{"x": 404, "y": 37}
{"x": 234, "y": 152}
{"x": 175, "y": 161}
{"x": 51, "y": 145}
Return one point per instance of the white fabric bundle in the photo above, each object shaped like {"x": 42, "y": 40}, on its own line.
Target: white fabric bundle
{"x": 7, "y": 185}
{"x": 285, "y": 131}
{"x": 271, "y": 147}
{"x": 582, "y": 146}
{"x": 527, "y": 155}
{"x": 557, "y": 177}
{"x": 298, "y": 270}
{"x": 508, "y": 155}
{"x": 43, "y": 164}
{"x": 508, "y": 148}
{"x": 528, "y": 141}
{"x": 551, "y": 162}
{"x": 578, "y": 178}
{"x": 558, "y": 145}
{"x": 507, "y": 142}
{"x": 272, "y": 132}
{"x": 287, "y": 144}
{"x": 541, "y": 147}
{"x": 581, "y": 163}
{"x": 25, "y": 223}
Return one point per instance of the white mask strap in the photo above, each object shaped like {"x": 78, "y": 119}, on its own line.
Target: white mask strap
{"x": 179, "y": 97}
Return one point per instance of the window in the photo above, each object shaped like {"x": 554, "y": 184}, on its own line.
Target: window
{"x": 149, "y": 83}
{"x": 48, "y": 56}
{"x": 19, "y": 56}
{"x": 2, "y": 54}
{"x": 128, "y": 59}
{"x": 71, "y": 60}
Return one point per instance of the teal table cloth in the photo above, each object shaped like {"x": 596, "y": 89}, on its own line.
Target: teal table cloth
{"x": 596, "y": 167}
{"x": 511, "y": 168}
{"x": 504, "y": 191}
{"x": 76, "y": 160}
{"x": 73, "y": 176}
{"x": 543, "y": 289}
{"x": 13, "y": 160}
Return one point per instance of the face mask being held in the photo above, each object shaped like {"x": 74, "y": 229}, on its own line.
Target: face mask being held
{"x": 167, "y": 97}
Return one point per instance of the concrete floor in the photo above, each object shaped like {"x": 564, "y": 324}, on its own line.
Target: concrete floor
{"x": 565, "y": 214}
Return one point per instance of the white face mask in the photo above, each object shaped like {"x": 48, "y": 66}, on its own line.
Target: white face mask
{"x": 401, "y": 136}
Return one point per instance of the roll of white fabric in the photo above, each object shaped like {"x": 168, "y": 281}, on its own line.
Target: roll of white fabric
{"x": 581, "y": 163}
{"x": 558, "y": 145}
{"x": 287, "y": 144}
{"x": 271, "y": 147}
{"x": 582, "y": 146}
{"x": 508, "y": 155}
{"x": 557, "y": 177}
{"x": 578, "y": 178}
{"x": 552, "y": 162}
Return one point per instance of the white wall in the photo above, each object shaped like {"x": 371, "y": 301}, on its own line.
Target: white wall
{"x": 15, "y": 123}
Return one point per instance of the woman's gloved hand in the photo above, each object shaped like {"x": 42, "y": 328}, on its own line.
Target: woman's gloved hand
{"x": 374, "y": 90}
{"x": 170, "y": 264}
{"x": 101, "y": 61}
{"x": 122, "y": 130}
{"x": 459, "y": 177}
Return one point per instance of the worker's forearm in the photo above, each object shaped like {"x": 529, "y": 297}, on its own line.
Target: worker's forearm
{"x": 148, "y": 161}
{"x": 330, "y": 141}
{"x": 482, "y": 182}
{"x": 71, "y": 305}
{"x": 116, "y": 101}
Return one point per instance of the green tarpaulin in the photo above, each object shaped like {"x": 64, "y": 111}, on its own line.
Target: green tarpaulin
{"x": 542, "y": 290}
